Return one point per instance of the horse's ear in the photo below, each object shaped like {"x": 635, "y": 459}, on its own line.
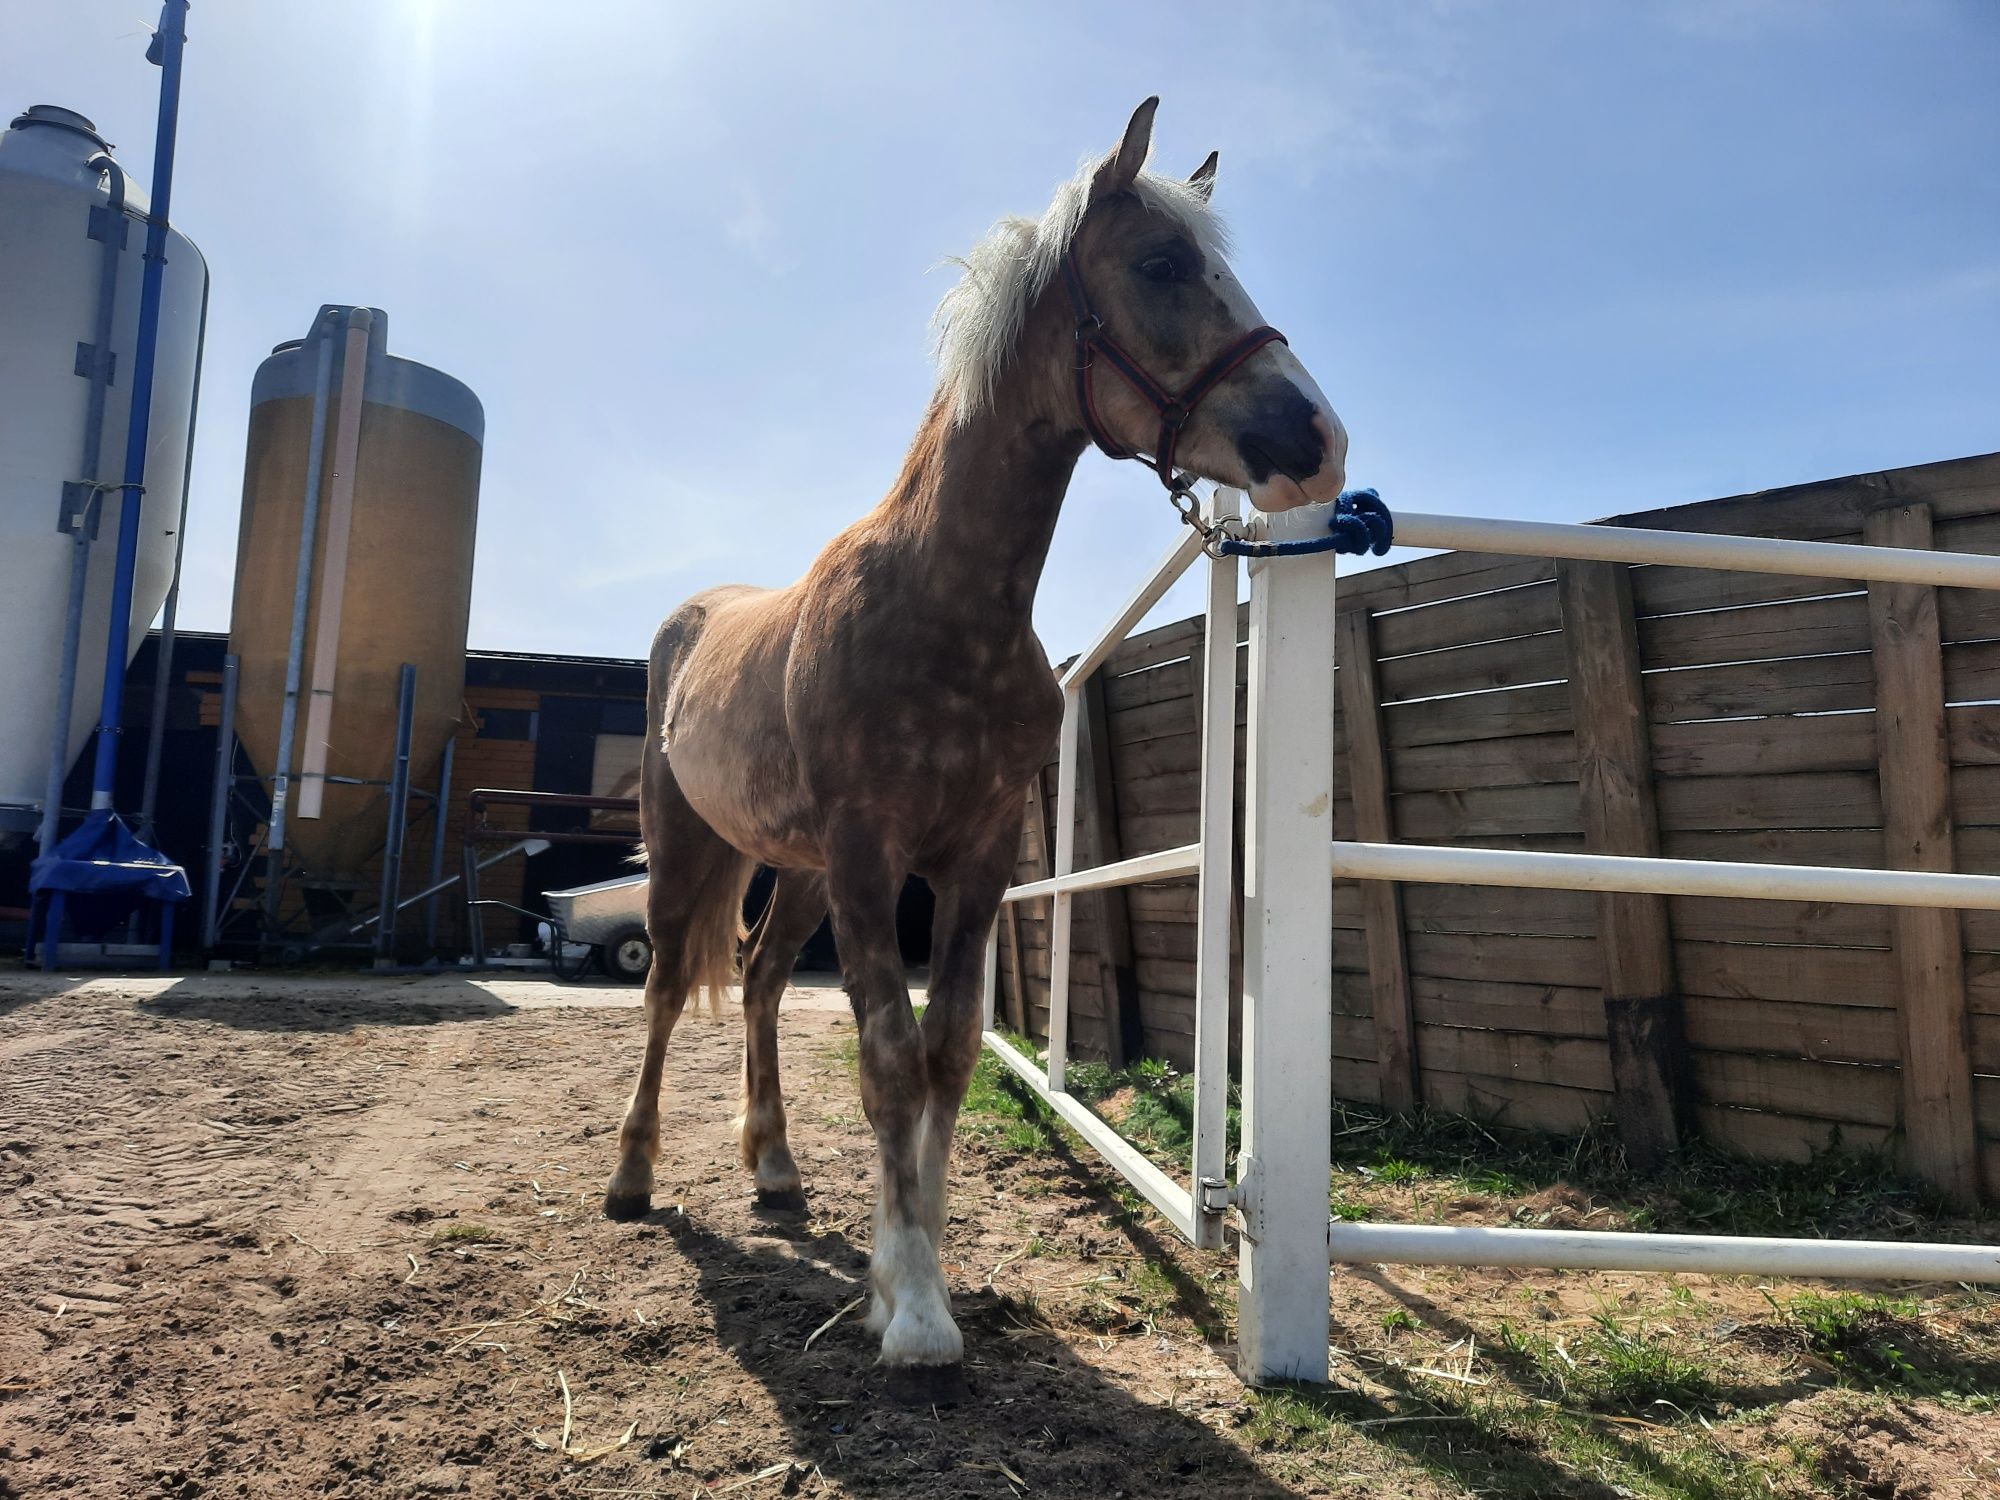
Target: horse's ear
{"x": 1203, "y": 178}
{"x": 1121, "y": 168}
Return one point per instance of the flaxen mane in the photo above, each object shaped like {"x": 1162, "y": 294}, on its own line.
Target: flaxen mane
{"x": 978, "y": 324}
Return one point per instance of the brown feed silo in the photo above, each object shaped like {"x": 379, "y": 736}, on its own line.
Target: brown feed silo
{"x": 389, "y": 577}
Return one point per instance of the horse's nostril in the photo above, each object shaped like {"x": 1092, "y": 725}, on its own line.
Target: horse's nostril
{"x": 1296, "y": 453}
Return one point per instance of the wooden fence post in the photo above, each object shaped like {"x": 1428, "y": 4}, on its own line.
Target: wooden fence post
{"x": 1381, "y": 900}
{"x": 1653, "y": 1097}
{"x": 1017, "y": 994}
{"x": 1041, "y": 863}
{"x": 1118, "y": 982}
{"x": 1940, "y": 1133}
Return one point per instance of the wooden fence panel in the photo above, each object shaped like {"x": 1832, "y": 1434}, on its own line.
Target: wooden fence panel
{"x": 1758, "y": 698}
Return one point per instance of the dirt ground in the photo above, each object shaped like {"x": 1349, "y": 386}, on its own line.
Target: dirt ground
{"x": 304, "y": 1237}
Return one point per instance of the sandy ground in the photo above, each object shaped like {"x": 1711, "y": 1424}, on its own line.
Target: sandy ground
{"x": 292, "y": 1236}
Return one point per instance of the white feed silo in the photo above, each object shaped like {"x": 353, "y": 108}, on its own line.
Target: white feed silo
{"x": 64, "y": 404}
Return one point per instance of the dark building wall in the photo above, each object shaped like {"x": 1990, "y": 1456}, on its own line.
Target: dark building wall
{"x": 532, "y": 723}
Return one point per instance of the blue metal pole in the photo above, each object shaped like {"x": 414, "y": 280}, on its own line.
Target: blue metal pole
{"x": 163, "y": 663}
{"x": 168, "y": 45}
{"x": 84, "y": 522}
{"x": 399, "y": 816}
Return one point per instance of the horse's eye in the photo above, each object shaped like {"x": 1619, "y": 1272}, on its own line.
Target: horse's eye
{"x": 1160, "y": 268}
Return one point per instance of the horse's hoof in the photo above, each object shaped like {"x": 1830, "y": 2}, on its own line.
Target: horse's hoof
{"x": 928, "y": 1385}
{"x": 782, "y": 1200}
{"x": 625, "y": 1207}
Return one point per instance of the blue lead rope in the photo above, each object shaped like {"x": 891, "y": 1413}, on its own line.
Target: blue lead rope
{"x": 1361, "y": 523}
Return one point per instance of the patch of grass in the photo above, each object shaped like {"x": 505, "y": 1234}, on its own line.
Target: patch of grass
{"x": 1158, "y": 1115}
{"x": 1635, "y": 1370}
{"x": 1494, "y": 1443}
{"x": 1866, "y": 1338}
{"x": 1492, "y": 1182}
{"x": 1842, "y": 1193}
{"x": 1289, "y": 1417}
{"x": 1610, "y": 1368}
{"x": 1398, "y": 1318}
{"x": 467, "y": 1234}
{"x": 1394, "y": 1171}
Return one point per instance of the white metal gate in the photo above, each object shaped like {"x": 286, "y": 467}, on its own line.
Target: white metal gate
{"x": 1280, "y": 1192}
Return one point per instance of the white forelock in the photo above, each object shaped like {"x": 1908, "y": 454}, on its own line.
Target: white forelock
{"x": 978, "y": 324}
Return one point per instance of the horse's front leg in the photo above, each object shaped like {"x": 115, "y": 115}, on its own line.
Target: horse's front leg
{"x": 910, "y": 1308}
{"x": 968, "y": 898}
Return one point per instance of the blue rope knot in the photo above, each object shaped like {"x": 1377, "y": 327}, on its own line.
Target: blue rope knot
{"x": 1360, "y": 523}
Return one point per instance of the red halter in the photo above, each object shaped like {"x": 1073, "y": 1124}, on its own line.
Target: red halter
{"x": 1173, "y": 410}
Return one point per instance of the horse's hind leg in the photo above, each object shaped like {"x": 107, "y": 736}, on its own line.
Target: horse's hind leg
{"x": 798, "y": 902}
{"x": 694, "y": 910}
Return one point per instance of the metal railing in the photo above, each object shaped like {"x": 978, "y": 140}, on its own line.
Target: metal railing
{"x": 1283, "y": 1170}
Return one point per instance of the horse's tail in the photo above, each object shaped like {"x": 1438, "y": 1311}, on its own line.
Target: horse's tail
{"x": 715, "y": 932}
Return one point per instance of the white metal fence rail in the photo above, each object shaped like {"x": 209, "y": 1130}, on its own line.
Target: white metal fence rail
{"x": 1283, "y": 1171}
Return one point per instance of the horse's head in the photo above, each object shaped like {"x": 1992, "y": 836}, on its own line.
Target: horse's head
{"x": 1178, "y": 357}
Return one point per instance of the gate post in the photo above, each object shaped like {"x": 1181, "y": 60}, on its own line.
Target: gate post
{"x": 1285, "y": 1169}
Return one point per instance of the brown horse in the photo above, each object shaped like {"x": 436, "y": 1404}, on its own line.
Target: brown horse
{"x": 883, "y": 716}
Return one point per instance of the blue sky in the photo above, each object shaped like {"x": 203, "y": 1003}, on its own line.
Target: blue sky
{"x": 1549, "y": 258}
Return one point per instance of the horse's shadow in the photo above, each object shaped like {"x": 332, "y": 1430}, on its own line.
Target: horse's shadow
{"x": 1034, "y": 1407}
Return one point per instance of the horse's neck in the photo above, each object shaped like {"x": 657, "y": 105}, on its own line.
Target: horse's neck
{"x": 979, "y": 500}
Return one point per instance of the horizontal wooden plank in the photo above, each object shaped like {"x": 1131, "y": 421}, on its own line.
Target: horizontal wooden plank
{"x": 1846, "y": 976}
{"x": 1767, "y": 746}
{"x": 1543, "y": 708}
{"x": 1518, "y": 1103}
{"x": 1163, "y": 900}
{"x": 1352, "y": 994}
{"x": 1974, "y": 729}
{"x": 1356, "y": 1082}
{"x": 1162, "y": 643}
{"x": 1982, "y": 983}
{"x": 1443, "y": 817}
{"x": 1543, "y": 1009}
{"x": 1501, "y": 909}
{"x": 1445, "y": 575}
{"x": 1975, "y": 795}
{"x": 1153, "y": 832}
{"x": 1859, "y": 848}
{"x": 1822, "y": 510}
{"x": 1794, "y": 1086}
{"x": 1166, "y": 792}
{"x": 1354, "y": 1038}
{"x": 1972, "y": 672}
{"x": 1760, "y": 632}
{"x": 1833, "y": 799}
{"x": 1980, "y": 930}
{"x": 1672, "y": 591}
{"x": 1986, "y": 1106}
{"x": 1158, "y": 684}
{"x": 1802, "y": 685}
{"x": 1526, "y": 760}
{"x": 1821, "y": 1033}
{"x": 1499, "y": 616}
{"x": 1469, "y": 669}
{"x": 1151, "y": 721}
{"x": 1564, "y": 1061}
{"x": 1762, "y": 1136}
{"x": 1495, "y": 958}
{"x": 1985, "y": 1044}
{"x": 1826, "y": 924}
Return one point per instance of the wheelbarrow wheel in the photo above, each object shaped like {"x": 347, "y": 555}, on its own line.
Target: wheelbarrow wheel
{"x": 628, "y": 954}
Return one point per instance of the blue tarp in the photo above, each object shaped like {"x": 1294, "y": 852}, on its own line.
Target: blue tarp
{"x": 104, "y": 858}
